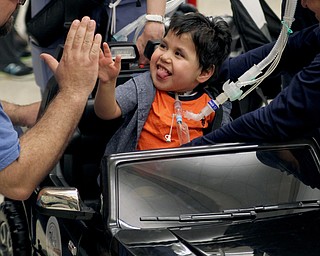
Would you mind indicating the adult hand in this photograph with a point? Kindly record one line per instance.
(42, 146)
(152, 31)
(77, 71)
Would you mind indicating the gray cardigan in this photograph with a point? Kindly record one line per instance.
(135, 98)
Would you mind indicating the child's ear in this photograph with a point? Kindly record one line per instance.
(206, 74)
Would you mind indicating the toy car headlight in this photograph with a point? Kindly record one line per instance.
(128, 52)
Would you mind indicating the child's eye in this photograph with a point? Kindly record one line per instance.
(162, 46)
(179, 54)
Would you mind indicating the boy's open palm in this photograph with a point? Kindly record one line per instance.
(109, 69)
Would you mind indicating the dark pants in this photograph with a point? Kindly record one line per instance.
(9, 50)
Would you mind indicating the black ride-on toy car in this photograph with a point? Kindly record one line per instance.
(228, 199)
(224, 199)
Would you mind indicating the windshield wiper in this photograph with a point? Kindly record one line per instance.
(236, 214)
(279, 207)
(204, 217)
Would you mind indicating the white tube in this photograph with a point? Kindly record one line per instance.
(182, 127)
(232, 90)
(283, 37)
(207, 110)
(171, 5)
(273, 58)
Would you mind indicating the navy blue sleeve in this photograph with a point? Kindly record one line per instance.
(299, 52)
(233, 68)
(293, 113)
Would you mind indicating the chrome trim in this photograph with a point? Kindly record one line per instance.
(57, 198)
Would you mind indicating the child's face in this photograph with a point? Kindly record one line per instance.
(174, 65)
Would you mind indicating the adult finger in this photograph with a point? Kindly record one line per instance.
(71, 34)
(95, 47)
(50, 61)
(80, 33)
(89, 35)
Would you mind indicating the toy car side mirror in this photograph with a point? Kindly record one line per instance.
(63, 202)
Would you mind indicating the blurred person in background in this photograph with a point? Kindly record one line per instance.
(12, 48)
(125, 11)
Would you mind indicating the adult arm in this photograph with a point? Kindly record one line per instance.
(152, 30)
(42, 145)
(288, 116)
(22, 115)
(302, 46)
(292, 113)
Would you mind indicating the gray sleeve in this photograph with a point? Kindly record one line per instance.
(137, 90)
(126, 96)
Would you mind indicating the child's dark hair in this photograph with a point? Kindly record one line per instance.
(211, 36)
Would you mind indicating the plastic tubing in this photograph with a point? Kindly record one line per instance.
(182, 127)
(274, 56)
(233, 90)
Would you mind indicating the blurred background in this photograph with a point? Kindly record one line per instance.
(23, 89)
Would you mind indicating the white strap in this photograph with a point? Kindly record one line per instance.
(113, 6)
(154, 18)
(138, 24)
(167, 137)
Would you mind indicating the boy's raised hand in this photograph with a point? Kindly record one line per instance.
(109, 69)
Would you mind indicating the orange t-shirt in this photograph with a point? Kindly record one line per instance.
(161, 118)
